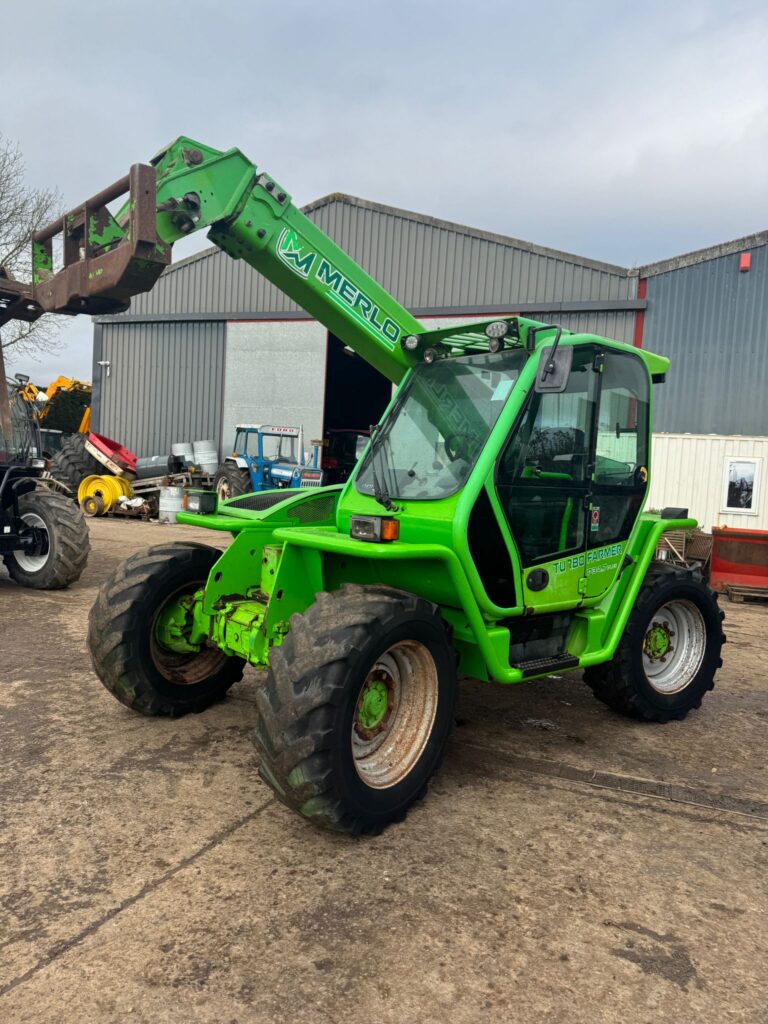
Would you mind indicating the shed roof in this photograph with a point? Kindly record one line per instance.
(438, 265)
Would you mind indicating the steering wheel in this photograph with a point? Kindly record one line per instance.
(457, 447)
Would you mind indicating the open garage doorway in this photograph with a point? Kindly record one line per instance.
(356, 396)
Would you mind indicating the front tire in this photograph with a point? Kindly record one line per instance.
(60, 557)
(231, 481)
(126, 654)
(670, 651)
(357, 707)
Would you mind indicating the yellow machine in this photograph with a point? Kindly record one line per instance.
(68, 408)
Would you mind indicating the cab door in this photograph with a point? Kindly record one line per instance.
(620, 467)
(544, 484)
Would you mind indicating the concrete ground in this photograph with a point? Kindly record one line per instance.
(567, 866)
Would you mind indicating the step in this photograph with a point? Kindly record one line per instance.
(537, 666)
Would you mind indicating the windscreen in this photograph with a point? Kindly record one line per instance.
(280, 447)
(22, 444)
(442, 417)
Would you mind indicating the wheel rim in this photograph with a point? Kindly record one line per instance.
(394, 714)
(182, 669)
(26, 561)
(674, 646)
(223, 489)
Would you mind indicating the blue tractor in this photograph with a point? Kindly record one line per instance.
(265, 458)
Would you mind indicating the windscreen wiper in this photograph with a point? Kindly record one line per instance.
(381, 492)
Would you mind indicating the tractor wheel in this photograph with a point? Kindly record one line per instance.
(669, 653)
(72, 463)
(93, 505)
(128, 656)
(357, 707)
(231, 481)
(62, 550)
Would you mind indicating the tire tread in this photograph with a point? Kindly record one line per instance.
(70, 543)
(613, 683)
(113, 634)
(297, 704)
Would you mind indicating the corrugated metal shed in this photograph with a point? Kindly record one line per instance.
(165, 383)
(429, 265)
(712, 322)
(701, 312)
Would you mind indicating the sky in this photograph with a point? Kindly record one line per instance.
(621, 131)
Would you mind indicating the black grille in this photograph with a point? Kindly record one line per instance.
(313, 511)
(259, 502)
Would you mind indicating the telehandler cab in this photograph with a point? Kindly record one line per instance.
(493, 527)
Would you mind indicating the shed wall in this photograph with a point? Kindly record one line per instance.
(687, 471)
(712, 322)
(275, 373)
(165, 383)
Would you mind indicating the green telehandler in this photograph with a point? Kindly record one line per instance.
(493, 527)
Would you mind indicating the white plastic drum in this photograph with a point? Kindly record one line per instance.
(171, 499)
(185, 450)
(206, 455)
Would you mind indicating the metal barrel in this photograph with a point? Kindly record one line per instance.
(171, 499)
(151, 465)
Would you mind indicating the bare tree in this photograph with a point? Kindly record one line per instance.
(22, 211)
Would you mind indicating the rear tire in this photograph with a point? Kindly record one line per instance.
(72, 463)
(357, 707)
(231, 481)
(127, 657)
(670, 651)
(66, 546)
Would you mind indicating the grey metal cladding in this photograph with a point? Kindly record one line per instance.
(165, 384)
(617, 325)
(712, 322)
(423, 262)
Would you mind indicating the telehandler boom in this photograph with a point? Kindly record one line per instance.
(494, 525)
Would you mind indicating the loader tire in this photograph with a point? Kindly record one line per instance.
(72, 463)
(357, 707)
(64, 542)
(231, 481)
(670, 651)
(126, 655)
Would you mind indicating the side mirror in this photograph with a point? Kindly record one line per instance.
(554, 370)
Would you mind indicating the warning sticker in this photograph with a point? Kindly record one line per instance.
(594, 525)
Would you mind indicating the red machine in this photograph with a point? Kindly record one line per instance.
(739, 560)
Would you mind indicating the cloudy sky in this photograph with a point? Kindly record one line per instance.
(627, 132)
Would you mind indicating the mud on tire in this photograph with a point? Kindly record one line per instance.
(670, 651)
(125, 653)
(323, 752)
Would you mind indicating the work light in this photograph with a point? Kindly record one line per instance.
(201, 502)
(496, 333)
(411, 342)
(374, 528)
(498, 329)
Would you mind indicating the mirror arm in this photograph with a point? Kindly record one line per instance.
(551, 364)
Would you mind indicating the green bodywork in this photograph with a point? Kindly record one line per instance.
(283, 555)
(278, 562)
